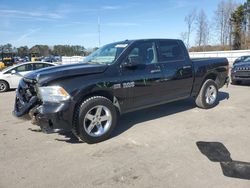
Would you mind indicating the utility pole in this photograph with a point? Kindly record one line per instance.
(230, 33)
(99, 32)
(248, 22)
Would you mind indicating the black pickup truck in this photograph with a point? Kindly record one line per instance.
(87, 98)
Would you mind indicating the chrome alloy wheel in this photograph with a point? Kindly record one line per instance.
(97, 121)
(2, 86)
(211, 95)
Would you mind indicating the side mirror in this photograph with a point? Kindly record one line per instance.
(131, 62)
(13, 72)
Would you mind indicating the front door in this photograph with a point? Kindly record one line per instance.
(143, 79)
(21, 71)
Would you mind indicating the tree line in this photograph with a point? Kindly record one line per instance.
(45, 50)
(229, 29)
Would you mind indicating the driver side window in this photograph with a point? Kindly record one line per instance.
(143, 53)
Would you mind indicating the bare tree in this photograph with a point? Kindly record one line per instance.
(222, 20)
(189, 20)
(202, 29)
(183, 36)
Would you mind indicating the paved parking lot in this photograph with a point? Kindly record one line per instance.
(173, 145)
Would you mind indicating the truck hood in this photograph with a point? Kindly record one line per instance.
(46, 75)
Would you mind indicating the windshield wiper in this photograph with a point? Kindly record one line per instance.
(94, 62)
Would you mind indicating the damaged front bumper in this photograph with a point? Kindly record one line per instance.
(49, 116)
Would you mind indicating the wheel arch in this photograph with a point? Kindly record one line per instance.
(211, 75)
(8, 84)
(103, 93)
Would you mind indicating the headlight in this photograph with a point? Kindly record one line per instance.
(53, 94)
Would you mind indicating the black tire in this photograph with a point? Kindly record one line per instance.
(201, 101)
(236, 82)
(81, 114)
(4, 86)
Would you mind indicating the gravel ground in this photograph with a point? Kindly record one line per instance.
(172, 145)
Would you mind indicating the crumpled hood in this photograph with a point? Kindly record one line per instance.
(46, 75)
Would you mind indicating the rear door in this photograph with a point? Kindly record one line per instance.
(177, 71)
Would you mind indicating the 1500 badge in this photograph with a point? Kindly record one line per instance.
(128, 84)
(124, 85)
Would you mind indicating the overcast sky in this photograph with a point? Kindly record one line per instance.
(76, 21)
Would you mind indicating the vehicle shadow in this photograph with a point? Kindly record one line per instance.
(217, 152)
(9, 91)
(69, 137)
(129, 120)
(243, 84)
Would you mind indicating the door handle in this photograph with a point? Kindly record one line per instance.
(155, 71)
(187, 67)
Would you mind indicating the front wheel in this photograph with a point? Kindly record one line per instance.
(208, 95)
(4, 86)
(95, 119)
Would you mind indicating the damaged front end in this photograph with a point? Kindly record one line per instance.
(26, 97)
(48, 115)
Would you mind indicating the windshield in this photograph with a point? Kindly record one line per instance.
(6, 69)
(246, 59)
(106, 54)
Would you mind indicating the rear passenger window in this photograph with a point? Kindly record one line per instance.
(170, 51)
(47, 65)
(38, 66)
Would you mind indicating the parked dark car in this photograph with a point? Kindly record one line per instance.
(242, 59)
(121, 77)
(240, 72)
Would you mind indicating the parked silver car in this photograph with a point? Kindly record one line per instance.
(10, 76)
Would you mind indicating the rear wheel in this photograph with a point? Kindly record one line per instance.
(208, 95)
(4, 86)
(95, 119)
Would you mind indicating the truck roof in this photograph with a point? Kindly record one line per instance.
(150, 39)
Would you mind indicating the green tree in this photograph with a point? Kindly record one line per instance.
(237, 20)
(40, 50)
(67, 50)
(23, 51)
(6, 48)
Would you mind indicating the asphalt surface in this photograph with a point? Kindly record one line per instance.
(173, 145)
